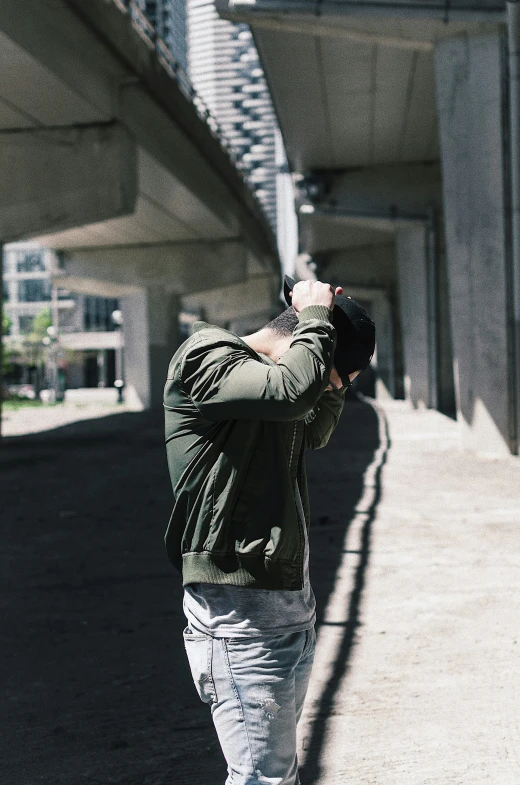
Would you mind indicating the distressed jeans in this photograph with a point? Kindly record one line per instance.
(255, 688)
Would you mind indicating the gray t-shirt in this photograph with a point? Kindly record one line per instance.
(243, 612)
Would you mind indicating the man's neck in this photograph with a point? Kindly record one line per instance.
(269, 343)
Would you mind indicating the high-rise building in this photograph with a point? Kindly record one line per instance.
(222, 64)
(225, 70)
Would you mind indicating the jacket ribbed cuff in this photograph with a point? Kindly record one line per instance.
(315, 312)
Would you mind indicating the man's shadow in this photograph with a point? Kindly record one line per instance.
(336, 485)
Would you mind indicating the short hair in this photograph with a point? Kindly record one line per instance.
(284, 324)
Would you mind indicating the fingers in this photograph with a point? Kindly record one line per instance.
(314, 293)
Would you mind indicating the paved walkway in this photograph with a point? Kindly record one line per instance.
(417, 675)
(416, 568)
(82, 404)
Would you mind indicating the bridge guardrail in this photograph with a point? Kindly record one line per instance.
(148, 33)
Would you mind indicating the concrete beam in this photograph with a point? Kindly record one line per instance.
(318, 26)
(178, 268)
(366, 206)
(384, 221)
(285, 11)
(149, 281)
(232, 303)
(394, 193)
(92, 65)
(199, 154)
(363, 266)
(57, 178)
(83, 284)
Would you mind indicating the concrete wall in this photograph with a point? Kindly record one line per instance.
(469, 72)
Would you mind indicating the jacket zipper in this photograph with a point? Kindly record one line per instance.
(300, 523)
(292, 447)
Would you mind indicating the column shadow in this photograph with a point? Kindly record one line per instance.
(336, 483)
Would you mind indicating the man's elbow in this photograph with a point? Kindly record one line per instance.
(318, 444)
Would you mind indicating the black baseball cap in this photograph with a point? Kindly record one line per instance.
(356, 333)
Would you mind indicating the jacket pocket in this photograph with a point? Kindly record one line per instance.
(199, 650)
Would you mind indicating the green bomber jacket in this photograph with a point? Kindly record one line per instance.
(236, 426)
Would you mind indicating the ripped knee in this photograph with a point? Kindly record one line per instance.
(270, 707)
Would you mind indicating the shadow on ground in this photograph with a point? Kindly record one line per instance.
(336, 482)
(96, 685)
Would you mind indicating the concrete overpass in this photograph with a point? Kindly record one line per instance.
(108, 156)
(401, 123)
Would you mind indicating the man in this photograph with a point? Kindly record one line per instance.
(239, 414)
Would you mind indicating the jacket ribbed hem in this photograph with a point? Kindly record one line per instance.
(255, 572)
(320, 312)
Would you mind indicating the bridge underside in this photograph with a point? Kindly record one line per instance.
(395, 117)
(105, 159)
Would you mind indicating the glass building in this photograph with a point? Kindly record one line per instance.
(224, 68)
(169, 20)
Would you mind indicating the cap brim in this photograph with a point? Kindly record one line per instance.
(288, 286)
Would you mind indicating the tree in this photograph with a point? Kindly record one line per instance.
(29, 350)
(42, 321)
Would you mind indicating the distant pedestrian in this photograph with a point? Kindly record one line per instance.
(239, 414)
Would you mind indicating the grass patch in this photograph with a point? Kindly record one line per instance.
(21, 403)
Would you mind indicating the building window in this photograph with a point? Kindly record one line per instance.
(97, 314)
(25, 324)
(34, 291)
(30, 262)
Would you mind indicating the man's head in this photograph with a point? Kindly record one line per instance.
(354, 327)
(283, 325)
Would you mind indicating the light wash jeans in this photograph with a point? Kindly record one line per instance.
(256, 688)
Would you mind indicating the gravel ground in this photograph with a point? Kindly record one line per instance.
(416, 570)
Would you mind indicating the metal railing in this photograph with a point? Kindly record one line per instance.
(173, 68)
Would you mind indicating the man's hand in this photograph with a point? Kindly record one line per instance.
(307, 293)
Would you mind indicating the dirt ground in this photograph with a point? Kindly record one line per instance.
(415, 565)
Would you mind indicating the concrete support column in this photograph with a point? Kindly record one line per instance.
(412, 271)
(102, 368)
(471, 98)
(513, 11)
(381, 312)
(150, 325)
